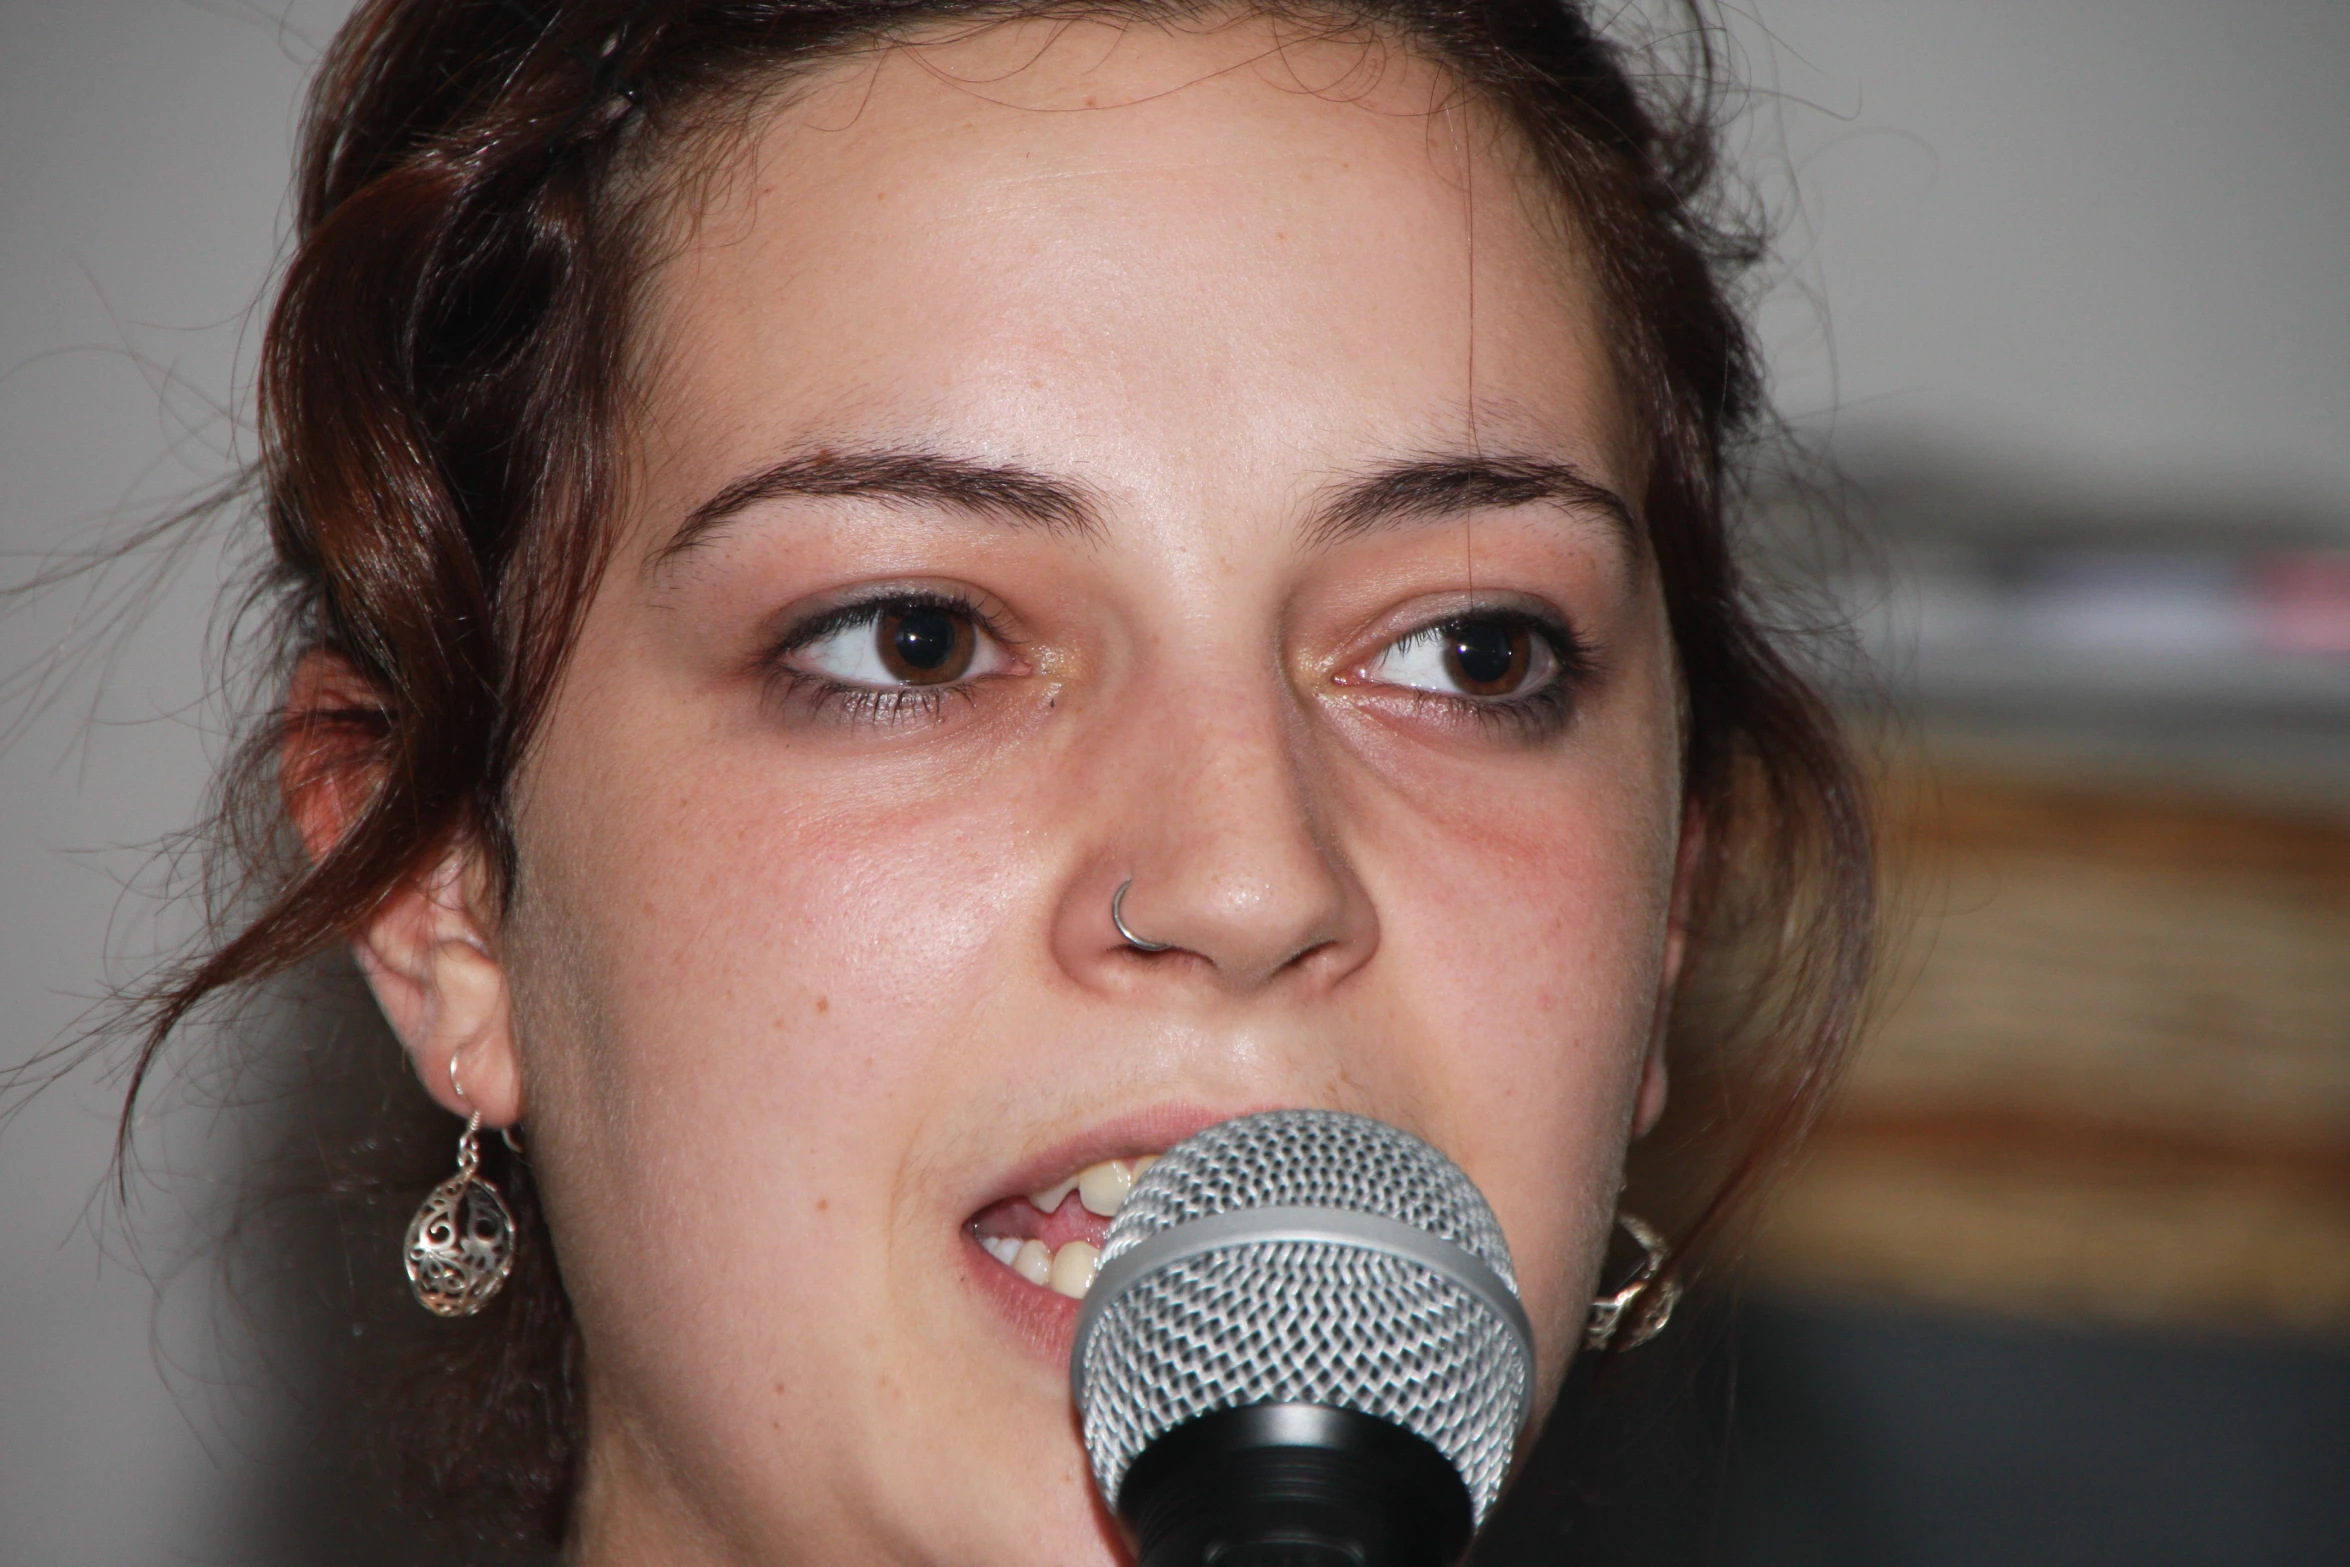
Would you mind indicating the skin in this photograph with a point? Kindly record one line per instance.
(796, 982)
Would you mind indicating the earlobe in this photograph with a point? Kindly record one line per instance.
(425, 952)
(1688, 863)
(1688, 870)
(1648, 1105)
(427, 960)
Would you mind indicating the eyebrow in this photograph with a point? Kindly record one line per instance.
(1000, 492)
(1424, 489)
(1428, 489)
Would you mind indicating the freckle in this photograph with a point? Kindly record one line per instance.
(823, 1005)
(779, 1390)
(823, 1205)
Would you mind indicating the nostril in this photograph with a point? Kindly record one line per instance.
(1245, 929)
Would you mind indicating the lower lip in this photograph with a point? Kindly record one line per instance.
(1042, 1320)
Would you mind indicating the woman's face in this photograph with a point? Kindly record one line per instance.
(1069, 457)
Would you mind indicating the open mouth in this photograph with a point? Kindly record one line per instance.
(1051, 1239)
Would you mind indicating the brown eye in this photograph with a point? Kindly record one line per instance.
(925, 644)
(1486, 657)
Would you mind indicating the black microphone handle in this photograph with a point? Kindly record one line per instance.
(1294, 1485)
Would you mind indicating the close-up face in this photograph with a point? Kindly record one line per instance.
(1064, 459)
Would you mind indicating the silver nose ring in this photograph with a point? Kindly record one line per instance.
(1118, 918)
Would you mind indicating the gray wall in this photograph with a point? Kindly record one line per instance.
(140, 207)
(2107, 238)
(2103, 239)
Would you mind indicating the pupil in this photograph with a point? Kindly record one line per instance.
(925, 638)
(925, 644)
(1485, 657)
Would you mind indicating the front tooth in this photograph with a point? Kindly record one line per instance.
(1003, 1248)
(1032, 1262)
(1073, 1268)
(1049, 1200)
(1103, 1187)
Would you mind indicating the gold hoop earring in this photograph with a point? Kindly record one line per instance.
(461, 1242)
(1609, 1311)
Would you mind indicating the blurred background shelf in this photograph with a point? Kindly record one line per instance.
(2064, 1278)
(2113, 1079)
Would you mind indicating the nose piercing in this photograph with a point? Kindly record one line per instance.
(1117, 901)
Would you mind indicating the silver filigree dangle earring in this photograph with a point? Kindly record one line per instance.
(461, 1242)
(1608, 1312)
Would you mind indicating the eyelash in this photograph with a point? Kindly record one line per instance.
(1536, 715)
(876, 705)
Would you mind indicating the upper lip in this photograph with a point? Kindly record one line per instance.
(1152, 1129)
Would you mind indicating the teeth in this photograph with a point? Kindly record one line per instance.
(1069, 1270)
(1050, 1199)
(1103, 1188)
(1073, 1268)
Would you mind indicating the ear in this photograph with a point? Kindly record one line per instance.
(427, 947)
(1688, 862)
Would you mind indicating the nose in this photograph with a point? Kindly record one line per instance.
(1219, 828)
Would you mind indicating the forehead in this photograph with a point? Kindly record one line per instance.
(1094, 246)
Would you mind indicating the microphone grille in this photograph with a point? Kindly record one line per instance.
(1289, 1320)
(1312, 1159)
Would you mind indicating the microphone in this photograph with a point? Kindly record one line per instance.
(1303, 1348)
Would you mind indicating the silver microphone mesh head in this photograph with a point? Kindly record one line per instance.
(1306, 1256)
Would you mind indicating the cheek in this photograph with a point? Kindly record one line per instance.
(1528, 924)
(736, 1011)
(748, 951)
(1546, 966)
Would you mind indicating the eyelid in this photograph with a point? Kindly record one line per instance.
(863, 610)
(817, 691)
(1528, 716)
(1565, 643)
